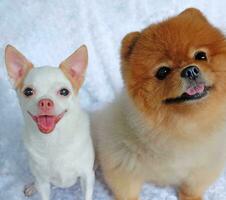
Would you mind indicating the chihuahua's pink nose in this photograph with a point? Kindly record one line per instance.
(45, 105)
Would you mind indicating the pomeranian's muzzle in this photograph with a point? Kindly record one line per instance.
(196, 87)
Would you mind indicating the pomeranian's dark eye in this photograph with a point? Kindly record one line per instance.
(64, 92)
(162, 72)
(28, 92)
(200, 55)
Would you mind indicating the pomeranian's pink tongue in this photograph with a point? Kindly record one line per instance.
(195, 90)
(46, 124)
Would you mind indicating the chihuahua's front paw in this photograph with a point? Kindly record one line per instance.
(30, 189)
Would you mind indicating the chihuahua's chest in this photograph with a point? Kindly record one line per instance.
(63, 172)
(60, 160)
(61, 168)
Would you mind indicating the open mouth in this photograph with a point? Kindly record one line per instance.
(47, 123)
(191, 94)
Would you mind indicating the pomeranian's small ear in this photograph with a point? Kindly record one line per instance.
(74, 67)
(192, 12)
(17, 66)
(128, 44)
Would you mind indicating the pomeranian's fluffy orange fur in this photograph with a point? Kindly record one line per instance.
(157, 130)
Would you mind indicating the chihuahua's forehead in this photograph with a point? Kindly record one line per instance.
(46, 76)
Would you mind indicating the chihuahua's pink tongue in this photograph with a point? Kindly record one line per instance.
(46, 124)
(195, 90)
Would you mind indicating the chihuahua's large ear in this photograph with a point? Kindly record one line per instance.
(17, 66)
(193, 13)
(128, 44)
(74, 67)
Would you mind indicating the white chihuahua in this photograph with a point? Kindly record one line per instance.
(56, 132)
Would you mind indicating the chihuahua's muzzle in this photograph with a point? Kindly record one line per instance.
(46, 120)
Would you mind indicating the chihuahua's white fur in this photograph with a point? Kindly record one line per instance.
(66, 153)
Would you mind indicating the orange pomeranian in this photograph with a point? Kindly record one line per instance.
(168, 126)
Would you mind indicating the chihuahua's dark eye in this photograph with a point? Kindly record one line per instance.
(28, 92)
(162, 72)
(64, 92)
(200, 55)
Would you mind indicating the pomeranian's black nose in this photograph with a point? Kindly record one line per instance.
(191, 72)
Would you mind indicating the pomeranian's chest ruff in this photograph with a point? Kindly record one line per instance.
(156, 156)
(167, 162)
